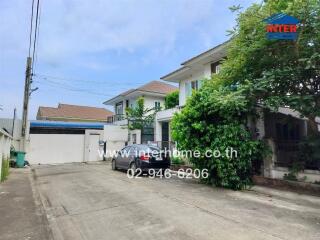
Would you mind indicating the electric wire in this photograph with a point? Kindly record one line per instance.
(31, 27)
(35, 60)
(35, 37)
(70, 88)
(76, 80)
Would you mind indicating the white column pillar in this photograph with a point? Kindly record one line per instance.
(158, 131)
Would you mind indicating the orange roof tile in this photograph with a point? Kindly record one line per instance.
(67, 111)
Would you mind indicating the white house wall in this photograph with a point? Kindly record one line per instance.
(201, 73)
(149, 102)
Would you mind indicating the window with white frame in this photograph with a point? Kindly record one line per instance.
(157, 105)
(119, 108)
(192, 85)
(215, 67)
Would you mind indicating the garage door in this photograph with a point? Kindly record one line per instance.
(55, 148)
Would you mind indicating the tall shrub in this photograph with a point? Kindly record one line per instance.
(214, 119)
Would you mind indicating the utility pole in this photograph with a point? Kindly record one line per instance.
(14, 121)
(26, 101)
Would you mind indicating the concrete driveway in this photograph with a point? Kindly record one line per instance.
(93, 202)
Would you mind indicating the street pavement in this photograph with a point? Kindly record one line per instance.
(21, 213)
(90, 201)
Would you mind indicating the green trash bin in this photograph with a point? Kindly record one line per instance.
(20, 159)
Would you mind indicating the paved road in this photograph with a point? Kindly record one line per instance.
(21, 214)
(93, 202)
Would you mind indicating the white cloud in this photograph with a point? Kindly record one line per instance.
(93, 26)
(78, 35)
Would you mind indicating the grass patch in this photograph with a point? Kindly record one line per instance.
(5, 168)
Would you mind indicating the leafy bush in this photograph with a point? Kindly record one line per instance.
(177, 161)
(5, 168)
(171, 100)
(214, 118)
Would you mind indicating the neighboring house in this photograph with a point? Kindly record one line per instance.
(73, 113)
(283, 130)
(190, 77)
(153, 93)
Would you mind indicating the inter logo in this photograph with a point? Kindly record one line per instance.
(281, 26)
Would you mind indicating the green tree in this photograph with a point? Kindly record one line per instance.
(281, 72)
(139, 116)
(171, 100)
(273, 72)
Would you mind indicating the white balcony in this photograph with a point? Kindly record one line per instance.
(118, 119)
(166, 115)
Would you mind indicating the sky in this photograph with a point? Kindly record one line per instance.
(90, 51)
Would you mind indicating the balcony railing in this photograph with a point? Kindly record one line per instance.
(115, 118)
(167, 114)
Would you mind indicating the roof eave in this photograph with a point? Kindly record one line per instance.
(204, 54)
(174, 76)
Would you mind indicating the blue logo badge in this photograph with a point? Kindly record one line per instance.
(281, 26)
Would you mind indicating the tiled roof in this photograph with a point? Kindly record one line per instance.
(158, 87)
(67, 111)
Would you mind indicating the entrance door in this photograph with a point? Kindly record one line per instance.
(94, 147)
(165, 135)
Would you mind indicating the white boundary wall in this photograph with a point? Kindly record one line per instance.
(62, 148)
(5, 144)
(115, 138)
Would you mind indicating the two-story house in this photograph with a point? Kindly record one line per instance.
(283, 130)
(154, 94)
(189, 77)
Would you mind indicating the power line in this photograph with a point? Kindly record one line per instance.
(44, 76)
(31, 24)
(70, 88)
(75, 80)
(35, 61)
(35, 36)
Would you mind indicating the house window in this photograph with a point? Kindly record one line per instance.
(127, 103)
(119, 108)
(157, 105)
(215, 67)
(193, 85)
